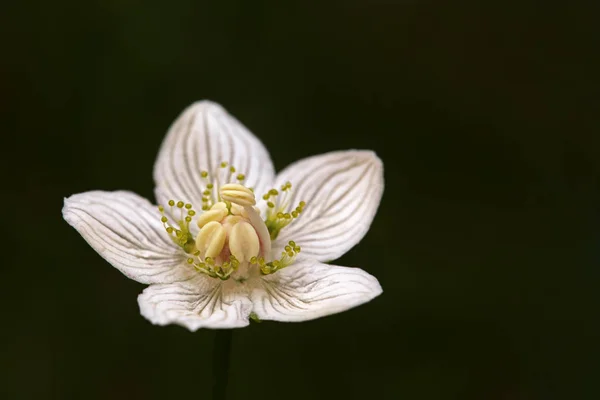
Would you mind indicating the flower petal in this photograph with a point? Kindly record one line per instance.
(202, 137)
(201, 302)
(342, 191)
(309, 290)
(125, 229)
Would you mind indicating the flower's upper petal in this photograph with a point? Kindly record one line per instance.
(308, 290)
(342, 191)
(202, 137)
(201, 302)
(125, 229)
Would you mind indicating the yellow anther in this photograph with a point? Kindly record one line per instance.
(191, 213)
(243, 241)
(188, 206)
(180, 204)
(295, 214)
(238, 194)
(204, 174)
(170, 230)
(302, 204)
(270, 204)
(241, 177)
(236, 209)
(266, 196)
(232, 169)
(223, 164)
(265, 269)
(292, 243)
(190, 260)
(164, 219)
(211, 216)
(161, 209)
(209, 186)
(211, 239)
(171, 203)
(219, 206)
(273, 192)
(253, 260)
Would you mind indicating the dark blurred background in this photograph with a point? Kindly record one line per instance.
(484, 113)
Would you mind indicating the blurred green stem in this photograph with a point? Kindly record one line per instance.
(221, 356)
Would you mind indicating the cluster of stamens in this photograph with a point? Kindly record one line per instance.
(232, 236)
(208, 266)
(226, 173)
(278, 216)
(288, 255)
(180, 231)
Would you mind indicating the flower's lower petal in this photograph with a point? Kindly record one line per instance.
(342, 191)
(309, 290)
(201, 302)
(125, 229)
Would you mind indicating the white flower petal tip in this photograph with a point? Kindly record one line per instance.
(342, 191)
(198, 303)
(308, 290)
(125, 230)
(206, 144)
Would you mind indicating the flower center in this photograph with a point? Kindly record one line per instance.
(233, 240)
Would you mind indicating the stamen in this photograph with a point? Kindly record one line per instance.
(243, 241)
(179, 231)
(238, 194)
(278, 215)
(211, 239)
(287, 258)
(214, 270)
(232, 233)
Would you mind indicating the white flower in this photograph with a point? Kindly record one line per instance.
(212, 255)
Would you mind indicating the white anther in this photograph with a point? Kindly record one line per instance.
(211, 215)
(243, 242)
(211, 239)
(237, 194)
